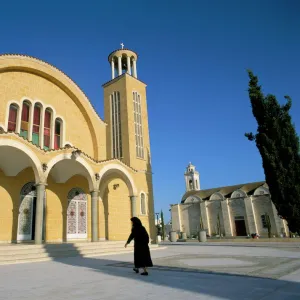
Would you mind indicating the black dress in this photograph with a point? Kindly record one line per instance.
(142, 257)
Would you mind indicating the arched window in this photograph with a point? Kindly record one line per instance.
(58, 134)
(25, 120)
(143, 204)
(36, 125)
(47, 130)
(12, 118)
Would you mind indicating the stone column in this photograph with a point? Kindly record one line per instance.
(250, 214)
(39, 214)
(134, 69)
(95, 223)
(226, 218)
(204, 216)
(112, 69)
(133, 206)
(128, 65)
(119, 65)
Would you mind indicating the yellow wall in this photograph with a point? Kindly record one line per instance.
(10, 188)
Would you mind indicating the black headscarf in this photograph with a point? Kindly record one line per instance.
(136, 222)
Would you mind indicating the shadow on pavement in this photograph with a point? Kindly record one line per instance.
(223, 285)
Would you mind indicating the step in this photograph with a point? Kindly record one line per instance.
(40, 253)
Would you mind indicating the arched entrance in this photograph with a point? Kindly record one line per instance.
(27, 209)
(77, 214)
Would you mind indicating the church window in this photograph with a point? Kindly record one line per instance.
(12, 118)
(47, 130)
(58, 134)
(139, 142)
(25, 120)
(117, 151)
(264, 221)
(36, 125)
(143, 204)
(261, 192)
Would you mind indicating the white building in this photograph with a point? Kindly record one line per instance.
(238, 210)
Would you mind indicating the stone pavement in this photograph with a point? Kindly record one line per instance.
(182, 271)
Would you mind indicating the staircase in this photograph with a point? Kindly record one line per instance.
(25, 253)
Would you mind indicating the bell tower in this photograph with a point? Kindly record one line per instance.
(125, 111)
(192, 178)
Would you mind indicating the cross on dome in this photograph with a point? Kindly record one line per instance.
(122, 45)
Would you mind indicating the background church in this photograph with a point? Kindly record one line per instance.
(230, 211)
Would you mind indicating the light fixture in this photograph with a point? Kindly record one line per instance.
(115, 186)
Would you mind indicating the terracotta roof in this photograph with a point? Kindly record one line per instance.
(28, 56)
(64, 148)
(226, 191)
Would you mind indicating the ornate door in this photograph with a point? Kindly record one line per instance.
(77, 214)
(27, 212)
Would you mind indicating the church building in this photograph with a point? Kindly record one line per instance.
(66, 174)
(229, 211)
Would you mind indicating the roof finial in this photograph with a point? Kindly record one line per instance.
(122, 45)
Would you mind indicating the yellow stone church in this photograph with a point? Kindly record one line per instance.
(65, 173)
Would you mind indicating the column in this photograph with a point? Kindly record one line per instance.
(112, 69)
(95, 225)
(128, 65)
(250, 215)
(134, 69)
(226, 218)
(39, 214)
(120, 65)
(133, 206)
(204, 216)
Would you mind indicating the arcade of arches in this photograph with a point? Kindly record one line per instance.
(64, 202)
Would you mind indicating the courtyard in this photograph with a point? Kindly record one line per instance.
(182, 271)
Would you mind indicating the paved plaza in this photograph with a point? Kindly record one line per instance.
(182, 271)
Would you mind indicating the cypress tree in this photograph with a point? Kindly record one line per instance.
(278, 144)
(162, 224)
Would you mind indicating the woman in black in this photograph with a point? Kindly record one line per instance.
(142, 257)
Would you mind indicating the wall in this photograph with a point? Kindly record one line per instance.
(10, 188)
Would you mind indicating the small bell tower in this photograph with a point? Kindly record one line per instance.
(192, 178)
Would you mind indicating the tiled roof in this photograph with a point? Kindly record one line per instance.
(64, 148)
(226, 191)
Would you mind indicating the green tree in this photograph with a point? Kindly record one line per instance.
(278, 144)
(162, 225)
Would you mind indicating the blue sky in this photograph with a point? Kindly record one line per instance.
(192, 54)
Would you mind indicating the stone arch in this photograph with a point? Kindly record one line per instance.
(193, 199)
(34, 161)
(239, 194)
(261, 191)
(26, 64)
(80, 167)
(110, 168)
(216, 196)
